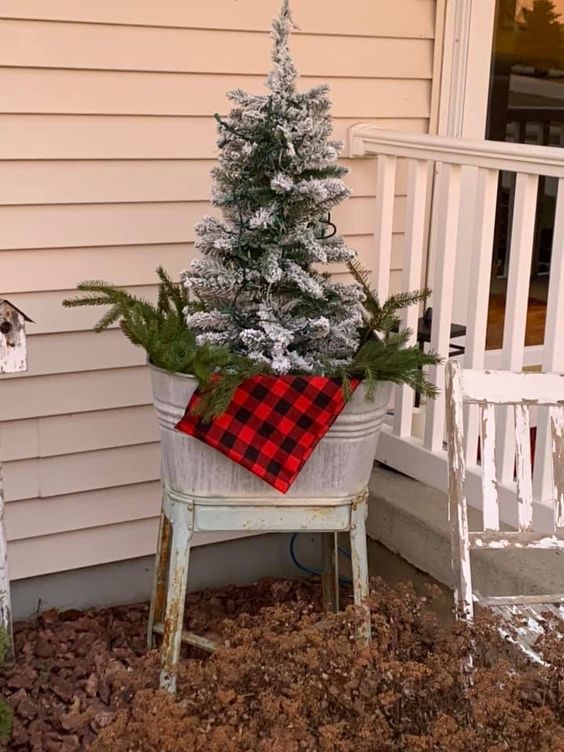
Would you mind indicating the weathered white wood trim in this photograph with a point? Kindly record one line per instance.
(505, 388)
(5, 602)
(527, 616)
(13, 359)
(553, 350)
(457, 500)
(509, 600)
(508, 539)
(557, 434)
(489, 476)
(523, 468)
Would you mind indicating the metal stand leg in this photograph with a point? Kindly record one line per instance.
(158, 598)
(359, 560)
(182, 516)
(330, 571)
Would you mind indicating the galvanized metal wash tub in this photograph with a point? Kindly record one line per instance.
(339, 466)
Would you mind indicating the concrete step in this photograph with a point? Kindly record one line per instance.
(410, 519)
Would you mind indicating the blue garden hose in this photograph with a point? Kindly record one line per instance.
(307, 570)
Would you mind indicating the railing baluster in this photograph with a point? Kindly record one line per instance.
(557, 431)
(489, 481)
(523, 467)
(481, 249)
(411, 277)
(443, 254)
(491, 159)
(553, 351)
(385, 197)
(516, 305)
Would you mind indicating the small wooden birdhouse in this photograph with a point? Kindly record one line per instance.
(13, 349)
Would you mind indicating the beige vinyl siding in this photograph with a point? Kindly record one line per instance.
(107, 137)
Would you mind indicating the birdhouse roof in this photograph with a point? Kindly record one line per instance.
(25, 316)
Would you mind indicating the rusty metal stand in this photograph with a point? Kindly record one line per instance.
(182, 516)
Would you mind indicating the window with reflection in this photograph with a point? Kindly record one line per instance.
(526, 105)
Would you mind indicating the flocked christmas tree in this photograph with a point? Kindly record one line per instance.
(257, 283)
(255, 300)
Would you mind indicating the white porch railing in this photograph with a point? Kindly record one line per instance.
(452, 250)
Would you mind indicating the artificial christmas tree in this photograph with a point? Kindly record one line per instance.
(277, 181)
(255, 303)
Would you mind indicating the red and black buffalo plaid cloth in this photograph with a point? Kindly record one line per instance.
(272, 425)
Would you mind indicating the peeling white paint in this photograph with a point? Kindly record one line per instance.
(13, 359)
(523, 467)
(13, 347)
(527, 616)
(516, 540)
(489, 480)
(557, 437)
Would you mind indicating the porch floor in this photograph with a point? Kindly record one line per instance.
(410, 519)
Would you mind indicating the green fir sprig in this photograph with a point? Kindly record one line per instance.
(383, 318)
(385, 353)
(159, 329)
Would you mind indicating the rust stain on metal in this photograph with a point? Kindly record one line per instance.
(158, 600)
(329, 576)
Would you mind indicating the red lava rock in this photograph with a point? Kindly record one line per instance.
(25, 706)
(68, 744)
(91, 686)
(49, 617)
(45, 649)
(63, 689)
(22, 677)
(71, 614)
(76, 671)
(76, 721)
(19, 733)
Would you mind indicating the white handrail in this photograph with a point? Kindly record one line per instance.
(456, 244)
(365, 140)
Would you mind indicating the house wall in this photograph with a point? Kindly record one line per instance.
(106, 141)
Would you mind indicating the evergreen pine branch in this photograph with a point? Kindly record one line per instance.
(384, 317)
(219, 391)
(390, 360)
(161, 330)
(402, 300)
(361, 277)
(171, 293)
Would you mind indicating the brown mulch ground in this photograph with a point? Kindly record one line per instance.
(288, 679)
(75, 669)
